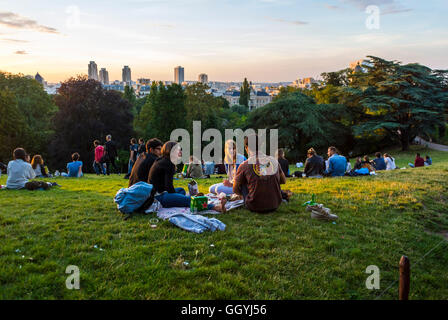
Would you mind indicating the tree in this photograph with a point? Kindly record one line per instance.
(12, 125)
(402, 100)
(35, 108)
(201, 106)
(163, 111)
(245, 93)
(129, 94)
(87, 112)
(303, 124)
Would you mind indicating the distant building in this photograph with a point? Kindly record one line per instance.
(116, 87)
(258, 98)
(179, 75)
(305, 83)
(360, 65)
(203, 78)
(93, 71)
(104, 76)
(39, 78)
(126, 75)
(144, 81)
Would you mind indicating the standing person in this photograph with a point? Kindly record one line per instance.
(161, 177)
(419, 161)
(314, 164)
(336, 164)
(140, 171)
(111, 154)
(133, 150)
(284, 164)
(258, 179)
(232, 161)
(38, 166)
(390, 162)
(141, 147)
(19, 170)
(97, 163)
(379, 162)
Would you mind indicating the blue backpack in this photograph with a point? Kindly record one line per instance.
(136, 198)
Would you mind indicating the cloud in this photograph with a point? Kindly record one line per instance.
(20, 52)
(387, 6)
(13, 20)
(294, 22)
(15, 40)
(332, 7)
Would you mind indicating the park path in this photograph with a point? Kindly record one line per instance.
(434, 146)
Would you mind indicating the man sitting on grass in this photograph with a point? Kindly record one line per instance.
(258, 180)
(140, 170)
(336, 164)
(379, 163)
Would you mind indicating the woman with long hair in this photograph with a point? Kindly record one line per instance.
(390, 162)
(161, 177)
(232, 161)
(38, 166)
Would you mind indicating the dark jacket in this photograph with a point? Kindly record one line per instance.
(284, 164)
(111, 149)
(161, 175)
(379, 164)
(141, 168)
(314, 166)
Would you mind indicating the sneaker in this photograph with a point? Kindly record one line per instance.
(324, 215)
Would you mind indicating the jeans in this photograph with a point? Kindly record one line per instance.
(220, 187)
(179, 199)
(130, 165)
(99, 168)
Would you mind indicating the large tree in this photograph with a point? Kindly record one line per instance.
(303, 124)
(88, 112)
(402, 100)
(163, 112)
(30, 109)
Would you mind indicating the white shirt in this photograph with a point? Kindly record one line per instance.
(19, 173)
(390, 163)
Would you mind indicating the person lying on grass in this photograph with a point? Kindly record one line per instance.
(232, 161)
(161, 177)
(258, 179)
(140, 170)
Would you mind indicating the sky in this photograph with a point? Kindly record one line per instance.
(263, 40)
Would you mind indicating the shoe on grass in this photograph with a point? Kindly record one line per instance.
(324, 215)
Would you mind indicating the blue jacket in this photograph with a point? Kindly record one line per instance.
(337, 165)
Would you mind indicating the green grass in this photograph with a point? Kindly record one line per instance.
(284, 255)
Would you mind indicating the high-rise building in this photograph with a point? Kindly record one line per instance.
(179, 75)
(126, 75)
(203, 78)
(104, 76)
(93, 71)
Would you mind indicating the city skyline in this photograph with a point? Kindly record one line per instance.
(263, 40)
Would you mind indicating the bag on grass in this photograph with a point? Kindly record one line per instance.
(136, 198)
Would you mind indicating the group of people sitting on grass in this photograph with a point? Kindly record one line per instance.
(256, 180)
(420, 162)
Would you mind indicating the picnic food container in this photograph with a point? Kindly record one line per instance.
(198, 204)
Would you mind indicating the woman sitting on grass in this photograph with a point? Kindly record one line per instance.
(74, 168)
(390, 162)
(232, 161)
(194, 169)
(38, 166)
(161, 177)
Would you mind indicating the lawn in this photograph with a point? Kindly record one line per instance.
(284, 255)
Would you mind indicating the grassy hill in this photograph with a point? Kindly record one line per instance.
(284, 255)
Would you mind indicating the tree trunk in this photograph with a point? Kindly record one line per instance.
(404, 139)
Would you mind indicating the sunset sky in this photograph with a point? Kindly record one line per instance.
(263, 40)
